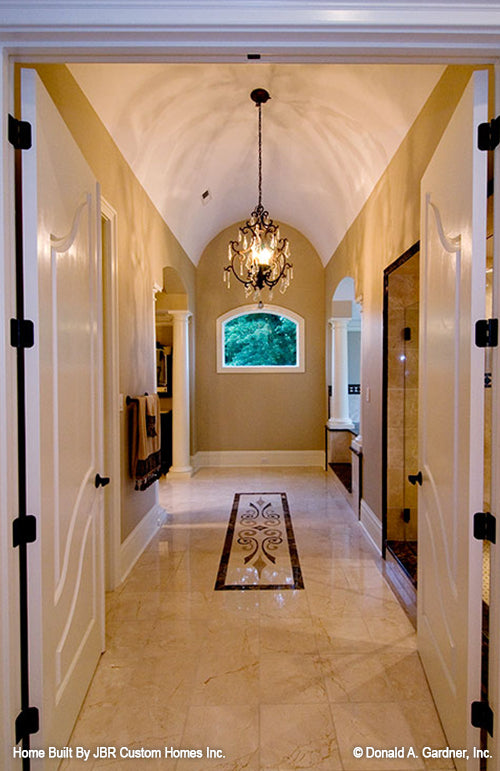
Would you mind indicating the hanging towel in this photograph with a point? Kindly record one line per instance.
(144, 440)
(152, 411)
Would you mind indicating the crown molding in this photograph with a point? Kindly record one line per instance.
(278, 30)
(446, 15)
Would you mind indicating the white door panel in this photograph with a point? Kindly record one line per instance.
(64, 389)
(453, 243)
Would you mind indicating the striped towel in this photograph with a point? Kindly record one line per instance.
(145, 440)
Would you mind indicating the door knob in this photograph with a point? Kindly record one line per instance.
(101, 481)
(415, 478)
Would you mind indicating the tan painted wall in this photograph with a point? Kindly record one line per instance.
(387, 226)
(260, 411)
(292, 407)
(145, 247)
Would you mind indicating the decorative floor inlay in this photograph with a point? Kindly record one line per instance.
(259, 551)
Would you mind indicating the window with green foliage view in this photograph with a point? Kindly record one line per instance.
(260, 340)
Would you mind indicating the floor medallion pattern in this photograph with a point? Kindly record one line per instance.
(259, 550)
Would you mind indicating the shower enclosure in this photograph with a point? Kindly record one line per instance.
(400, 445)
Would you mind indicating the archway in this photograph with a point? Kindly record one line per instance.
(173, 372)
(343, 445)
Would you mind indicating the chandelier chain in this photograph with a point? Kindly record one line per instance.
(260, 256)
(260, 155)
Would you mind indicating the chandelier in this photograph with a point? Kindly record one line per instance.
(260, 257)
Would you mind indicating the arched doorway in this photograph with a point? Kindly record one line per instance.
(344, 412)
(173, 372)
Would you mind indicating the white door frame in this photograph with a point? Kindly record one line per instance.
(112, 497)
(314, 33)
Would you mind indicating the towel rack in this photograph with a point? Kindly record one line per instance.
(131, 399)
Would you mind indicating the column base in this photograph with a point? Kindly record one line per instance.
(340, 424)
(357, 444)
(181, 472)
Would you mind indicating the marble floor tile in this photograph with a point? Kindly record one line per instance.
(298, 736)
(404, 671)
(290, 678)
(287, 635)
(343, 633)
(356, 677)
(421, 716)
(274, 680)
(231, 730)
(228, 675)
(380, 726)
(285, 604)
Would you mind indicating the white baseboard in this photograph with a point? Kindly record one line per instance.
(258, 458)
(371, 524)
(135, 543)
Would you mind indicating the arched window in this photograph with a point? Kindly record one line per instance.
(267, 339)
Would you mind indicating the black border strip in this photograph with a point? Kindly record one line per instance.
(23, 729)
(298, 581)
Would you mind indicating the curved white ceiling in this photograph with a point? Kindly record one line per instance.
(328, 133)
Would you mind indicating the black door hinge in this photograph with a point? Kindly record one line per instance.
(487, 333)
(24, 530)
(481, 716)
(27, 722)
(485, 526)
(19, 133)
(488, 380)
(22, 333)
(488, 135)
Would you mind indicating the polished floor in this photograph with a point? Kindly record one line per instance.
(275, 680)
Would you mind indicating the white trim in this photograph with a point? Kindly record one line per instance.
(135, 543)
(277, 310)
(112, 497)
(180, 473)
(349, 30)
(371, 524)
(353, 31)
(255, 458)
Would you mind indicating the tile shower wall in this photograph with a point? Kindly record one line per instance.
(402, 400)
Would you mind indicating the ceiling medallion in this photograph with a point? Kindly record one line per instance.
(260, 257)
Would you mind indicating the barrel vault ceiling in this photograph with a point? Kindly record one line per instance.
(189, 132)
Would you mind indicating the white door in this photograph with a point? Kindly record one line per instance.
(453, 243)
(64, 417)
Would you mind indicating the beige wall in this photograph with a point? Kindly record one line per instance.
(260, 411)
(291, 408)
(145, 247)
(387, 226)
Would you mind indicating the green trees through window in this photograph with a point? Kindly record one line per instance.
(260, 340)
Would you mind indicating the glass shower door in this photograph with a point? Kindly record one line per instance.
(402, 334)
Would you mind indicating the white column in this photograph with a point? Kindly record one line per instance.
(181, 457)
(339, 404)
(358, 441)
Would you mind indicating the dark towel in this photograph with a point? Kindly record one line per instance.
(144, 441)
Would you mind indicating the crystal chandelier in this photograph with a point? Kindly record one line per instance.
(260, 257)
